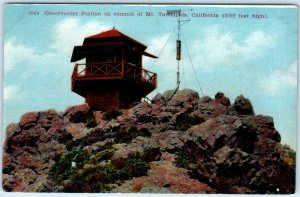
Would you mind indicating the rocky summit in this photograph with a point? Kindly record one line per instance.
(187, 145)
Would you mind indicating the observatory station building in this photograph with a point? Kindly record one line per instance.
(112, 76)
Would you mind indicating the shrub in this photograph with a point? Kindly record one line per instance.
(102, 177)
(63, 169)
(125, 135)
(135, 167)
(182, 159)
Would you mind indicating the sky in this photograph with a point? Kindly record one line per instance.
(255, 57)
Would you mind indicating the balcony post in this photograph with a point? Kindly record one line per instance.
(76, 70)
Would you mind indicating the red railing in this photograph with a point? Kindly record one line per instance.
(112, 70)
(98, 70)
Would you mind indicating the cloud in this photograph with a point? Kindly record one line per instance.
(22, 61)
(10, 92)
(15, 54)
(163, 47)
(256, 45)
(217, 47)
(281, 79)
(29, 61)
(256, 42)
(212, 48)
(70, 32)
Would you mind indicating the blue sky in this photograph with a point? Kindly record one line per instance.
(253, 57)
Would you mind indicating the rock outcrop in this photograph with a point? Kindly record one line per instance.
(187, 145)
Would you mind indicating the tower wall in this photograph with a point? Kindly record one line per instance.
(103, 100)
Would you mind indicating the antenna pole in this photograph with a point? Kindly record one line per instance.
(178, 50)
(178, 41)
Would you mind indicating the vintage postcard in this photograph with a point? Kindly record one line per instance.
(124, 98)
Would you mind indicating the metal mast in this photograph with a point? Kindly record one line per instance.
(176, 13)
(178, 41)
(178, 48)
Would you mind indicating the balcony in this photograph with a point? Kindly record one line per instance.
(113, 71)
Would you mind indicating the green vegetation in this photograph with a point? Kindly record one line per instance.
(63, 168)
(249, 123)
(292, 154)
(95, 179)
(182, 159)
(95, 172)
(135, 167)
(125, 135)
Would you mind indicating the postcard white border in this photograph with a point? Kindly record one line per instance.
(237, 3)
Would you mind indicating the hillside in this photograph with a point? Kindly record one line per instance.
(189, 145)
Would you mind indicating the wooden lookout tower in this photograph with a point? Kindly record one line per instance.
(112, 76)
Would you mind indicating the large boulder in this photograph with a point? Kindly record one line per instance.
(183, 96)
(81, 114)
(221, 98)
(243, 105)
